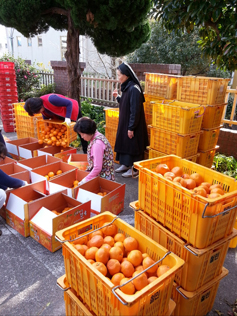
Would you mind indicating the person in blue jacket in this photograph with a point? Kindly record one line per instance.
(3, 142)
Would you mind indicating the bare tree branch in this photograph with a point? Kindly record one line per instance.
(103, 64)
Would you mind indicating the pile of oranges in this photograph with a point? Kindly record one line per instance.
(63, 211)
(193, 182)
(118, 258)
(51, 174)
(102, 193)
(53, 135)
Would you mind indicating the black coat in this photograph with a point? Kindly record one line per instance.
(131, 117)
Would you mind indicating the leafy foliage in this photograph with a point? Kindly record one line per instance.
(116, 27)
(217, 22)
(169, 48)
(50, 88)
(226, 165)
(27, 77)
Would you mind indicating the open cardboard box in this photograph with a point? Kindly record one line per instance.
(112, 202)
(78, 160)
(7, 160)
(12, 145)
(29, 150)
(44, 224)
(66, 182)
(36, 162)
(58, 152)
(38, 174)
(19, 208)
(12, 168)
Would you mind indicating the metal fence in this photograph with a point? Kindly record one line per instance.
(233, 117)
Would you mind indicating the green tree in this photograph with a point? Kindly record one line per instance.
(217, 20)
(169, 48)
(116, 27)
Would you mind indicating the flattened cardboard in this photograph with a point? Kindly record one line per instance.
(12, 145)
(78, 160)
(36, 162)
(113, 201)
(38, 174)
(29, 150)
(59, 152)
(20, 206)
(7, 160)
(45, 224)
(11, 168)
(66, 182)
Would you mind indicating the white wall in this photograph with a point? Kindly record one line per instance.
(3, 41)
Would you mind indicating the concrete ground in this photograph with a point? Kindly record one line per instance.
(28, 271)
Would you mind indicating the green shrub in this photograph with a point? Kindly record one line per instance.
(39, 92)
(27, 77)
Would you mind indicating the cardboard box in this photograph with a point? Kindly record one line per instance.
(66, 182)
(20, 206)
(45, 223)
(78, 160)
(58, 152)
(29, 150)
(7, 160)
(12, 168)
(36, 162)
(12, 145)
(112, 202)
(38, 174)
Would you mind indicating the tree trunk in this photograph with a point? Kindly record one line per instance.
(72, 58)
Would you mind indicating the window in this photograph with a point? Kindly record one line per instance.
(63, 45)
(18, 39)
(40, 42)
(29, 41)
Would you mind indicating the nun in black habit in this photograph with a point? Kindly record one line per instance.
(132, 137)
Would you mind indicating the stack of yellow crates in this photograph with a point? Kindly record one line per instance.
(175, 126)
(111, 122)
(210, 92)
(196, 228)
(89, 292)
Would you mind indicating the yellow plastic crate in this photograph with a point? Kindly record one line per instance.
(161, 85)
(112, 118)
(178, 117)
(154, 154)
(205, 158)
(213, 116)
(202, 90)
(26, 126)
(199, 221)
(110, 134)
(233, 242)
(201, 265)
(69, 135)
(199, 302)
(173, 143)
(74, 306)
(95, 290)
(209, 138)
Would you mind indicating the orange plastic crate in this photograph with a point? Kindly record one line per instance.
(209, 138)
(154, 154)
(95, 290)
(178, 117)
(174, 143)
(233, 242)
(161, 85)
(199, 302)
(199, 221)
(205, 158)
(110, 134)
(201, 265)
(202, 90)
(69, 135)
(213, 116)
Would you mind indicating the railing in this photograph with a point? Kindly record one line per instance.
(46, 77)
(99, 90)
(232, 120)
